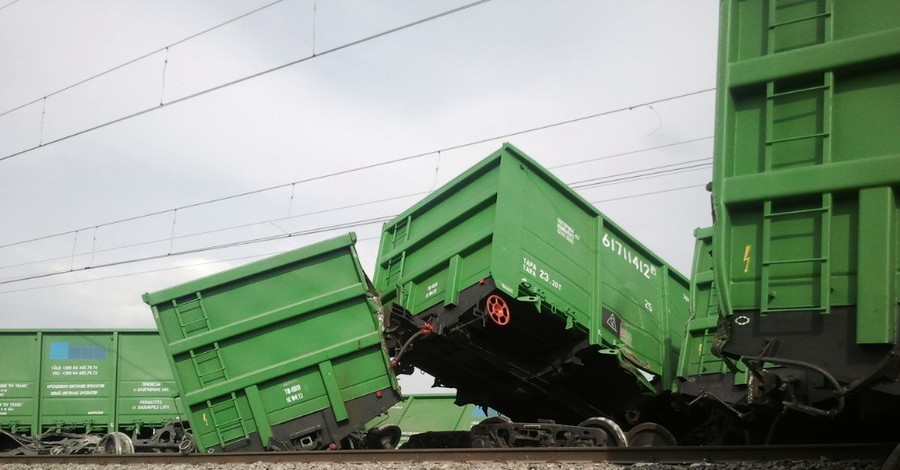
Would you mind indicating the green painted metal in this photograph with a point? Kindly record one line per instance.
(21, 383)
(146, 387)
(876, 310)
(807, 160)
(84, 381)
(699, 355)
(509, 219)
(429, 412)
(273, 341)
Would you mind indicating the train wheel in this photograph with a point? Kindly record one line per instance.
(484, 436)
(615, 435)
(115, 443)
(497, 310)
(187, 445)
(650, 435)
(383, 437)
(482, 442)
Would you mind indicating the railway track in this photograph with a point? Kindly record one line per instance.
(625, 455)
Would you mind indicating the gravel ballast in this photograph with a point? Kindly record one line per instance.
(776, 465)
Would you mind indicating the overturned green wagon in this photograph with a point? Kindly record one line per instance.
(284, 353)
(508, 286)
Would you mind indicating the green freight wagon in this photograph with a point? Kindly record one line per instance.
(702, 371)
(284, 353)
(508, 286)
(805, 246)
(68, 383)
(700, 353)
(431, 420)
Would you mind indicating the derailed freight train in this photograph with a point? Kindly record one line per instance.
(112, 392)
(794, 335)
(506, 285)
(285, 353)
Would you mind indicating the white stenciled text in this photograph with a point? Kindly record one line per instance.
(566, 231)
(617, 247)
(294, 393)
(532, 268)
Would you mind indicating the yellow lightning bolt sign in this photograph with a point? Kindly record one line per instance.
(747, 259)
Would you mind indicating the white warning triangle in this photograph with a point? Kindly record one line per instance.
(612, 323)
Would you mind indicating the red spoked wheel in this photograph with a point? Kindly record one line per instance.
(497, 310)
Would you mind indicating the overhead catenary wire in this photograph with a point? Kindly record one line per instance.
(653, 172)
(400, 160)
(152, 271)
(622, 177)
(219, 230)
(242, 80)
(651, 193)
(204, 249)
(642, 174)
(606, 180)
(263, 254)
(137, 59)
(13, 2)
(139, 273)
(630, 152)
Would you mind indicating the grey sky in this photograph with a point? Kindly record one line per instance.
(494, 69)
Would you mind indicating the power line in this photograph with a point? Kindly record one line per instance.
(209, 232)
(613, 179)
(662, 191)
(606, 180)
(13, 2)
(390, 162)
(661, 170)
(647, 173)
(243, 79)
(583, 118)
(631, 152)
(204, 249)
(632, 196)
(152, 271)
(137, 59)
(653, 175)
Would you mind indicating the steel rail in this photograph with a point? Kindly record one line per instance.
(623, 455)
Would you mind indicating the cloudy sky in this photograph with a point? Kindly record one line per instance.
(97, 209)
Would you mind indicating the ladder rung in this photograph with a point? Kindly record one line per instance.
(798, 211)
(216, 371)
(203, 320)
(794, 261)
(799, 20)
(233, 423)
(798, 91)
(795, 309)
(213, 352)
(799, 137)
(228, 427)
